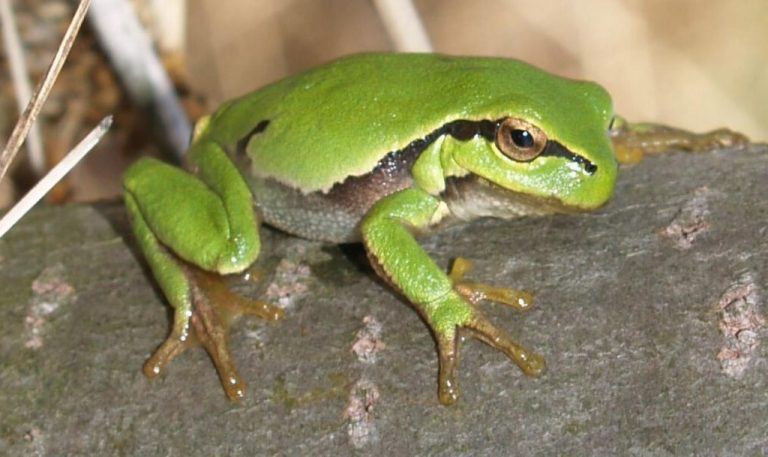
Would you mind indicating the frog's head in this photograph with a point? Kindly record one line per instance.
(550, 145)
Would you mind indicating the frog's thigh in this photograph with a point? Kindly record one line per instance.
(186, 217)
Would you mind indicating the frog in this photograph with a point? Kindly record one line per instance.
(380, 149)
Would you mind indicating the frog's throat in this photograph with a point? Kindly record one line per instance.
(471, 196)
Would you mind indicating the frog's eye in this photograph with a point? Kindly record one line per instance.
(520, 140)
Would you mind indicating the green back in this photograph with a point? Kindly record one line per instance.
(341, 118)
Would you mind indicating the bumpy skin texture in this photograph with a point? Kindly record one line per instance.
(380, 139)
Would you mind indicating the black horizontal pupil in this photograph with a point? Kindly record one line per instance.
(522, 138)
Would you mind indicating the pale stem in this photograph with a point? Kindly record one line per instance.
(404, 25)
(54, 176)
(21, 84)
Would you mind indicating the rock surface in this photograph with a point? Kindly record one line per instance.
(649, 313)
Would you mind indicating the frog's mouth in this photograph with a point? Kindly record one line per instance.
(472, 196)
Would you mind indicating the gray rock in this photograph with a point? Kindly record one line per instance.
(649, 313)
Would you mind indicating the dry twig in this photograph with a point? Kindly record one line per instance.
(54, 176)
(43, 90)
(21, 83)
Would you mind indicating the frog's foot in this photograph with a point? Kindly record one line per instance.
(213, 286)
(529, 362)
(469, 318)
(213, 309)
(475, 292)
(176, 343)
(632, 141)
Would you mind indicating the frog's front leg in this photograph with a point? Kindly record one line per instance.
(476, 292)
(189, 225)
(399, 259)
(631, 141)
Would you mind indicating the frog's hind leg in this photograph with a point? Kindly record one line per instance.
(184, 226)
(215, 306)
(172, 280)
(632, 141)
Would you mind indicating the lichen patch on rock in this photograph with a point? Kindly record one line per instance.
(289, 283)
(690, 222)
(49, 292)
(740, 323)
(368, 341)
(361, 427)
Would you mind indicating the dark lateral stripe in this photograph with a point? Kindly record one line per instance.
(461, 130)
(556, 149)
(464, 130)
(242, 144)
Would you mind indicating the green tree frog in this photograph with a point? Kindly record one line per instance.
(377, 148)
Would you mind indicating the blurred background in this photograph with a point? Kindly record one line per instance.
(697, 64)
